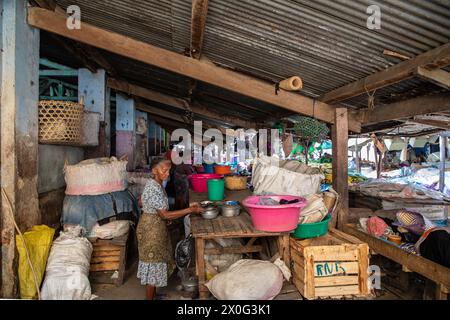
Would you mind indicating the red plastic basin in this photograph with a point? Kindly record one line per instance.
(277, 218)
(199, 181)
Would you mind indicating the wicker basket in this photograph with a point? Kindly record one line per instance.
(236, 182)
(60, 122)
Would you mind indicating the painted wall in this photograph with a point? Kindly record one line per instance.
(51, 165)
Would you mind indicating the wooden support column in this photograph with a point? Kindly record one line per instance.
(443, 156)
(19, 133)
(125, 128)
(340, 163)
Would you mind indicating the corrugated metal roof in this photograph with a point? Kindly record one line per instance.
(326, 42)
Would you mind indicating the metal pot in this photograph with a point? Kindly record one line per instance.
(231, 209)
(210, 212)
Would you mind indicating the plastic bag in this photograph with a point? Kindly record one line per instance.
(38, 241)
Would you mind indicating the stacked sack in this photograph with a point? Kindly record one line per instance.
(97, 198)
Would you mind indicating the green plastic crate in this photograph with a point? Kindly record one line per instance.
(312, 230)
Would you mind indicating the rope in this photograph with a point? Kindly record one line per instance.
(11, 211)
(370, 97)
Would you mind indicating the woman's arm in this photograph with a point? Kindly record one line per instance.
(172, 215)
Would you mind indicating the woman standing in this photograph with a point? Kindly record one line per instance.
(156, 262)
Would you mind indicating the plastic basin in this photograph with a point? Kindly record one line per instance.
(199, 181)
(312, 230)
(277, 218)
(215, 189)
(209, 168)
(222, 169)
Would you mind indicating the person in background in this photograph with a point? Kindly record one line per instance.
(181, 182)
(156, 262)
(169, 152)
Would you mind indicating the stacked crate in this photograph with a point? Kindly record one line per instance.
(108, 260)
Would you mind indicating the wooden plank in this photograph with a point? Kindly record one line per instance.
(333, 253)
(300, 285)
(198, 21)
(435, 58)
(101, 247)
(309, 275)
(197, 69)
(344, 236)
(243, 249)
(106, 266)
(435, 123)
(425, 267)
(337, 291)
(363, 260)
(436, 76)
(408, 108)
(335, 281)
(107, 253)
(340, 163)
(95, 260)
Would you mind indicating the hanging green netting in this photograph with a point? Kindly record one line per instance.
(310, 129)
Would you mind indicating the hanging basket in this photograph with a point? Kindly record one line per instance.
(60, 122)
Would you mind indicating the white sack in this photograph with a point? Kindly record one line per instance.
(66, 276)
(284, 177)
(248, 280)
(224, 261)
(314, 211)
(110, 230)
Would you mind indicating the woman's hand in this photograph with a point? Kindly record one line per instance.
(195, 208)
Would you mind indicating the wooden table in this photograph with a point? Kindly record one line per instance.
(223, 227)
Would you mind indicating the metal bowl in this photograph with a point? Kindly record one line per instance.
(190, 285)
(230, 209)
(210, 212)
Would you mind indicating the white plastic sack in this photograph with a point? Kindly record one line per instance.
(249, 280)
(271, 176)
(110, 230)
(314, 211)
(224, 261)
(66, 276)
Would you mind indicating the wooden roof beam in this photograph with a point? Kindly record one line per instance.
(198, 22)
(436, 76)
(175, 102)
(196, 69)
(407, 108)
(445, 125)
(433, 59)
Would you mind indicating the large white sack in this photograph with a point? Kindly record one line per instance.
(249, 280)
(110, 230)
(66, 276)
(271, 176)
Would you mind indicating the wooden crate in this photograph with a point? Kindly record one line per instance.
(108, 260)
(330, 266)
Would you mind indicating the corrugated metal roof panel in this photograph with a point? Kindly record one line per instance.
(326, 42)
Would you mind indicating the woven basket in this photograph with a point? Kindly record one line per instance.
(60, 122)
(236, 182)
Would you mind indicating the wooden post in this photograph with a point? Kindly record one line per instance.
(19, 88)
(442, 155)
(358, 164)
(340, 162)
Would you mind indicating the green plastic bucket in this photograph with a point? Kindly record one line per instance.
(312, 230)
(216, 189)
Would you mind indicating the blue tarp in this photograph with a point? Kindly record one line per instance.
(87, 210)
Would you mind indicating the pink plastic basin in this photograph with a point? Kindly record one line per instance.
(198, 180)
(278, 218)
